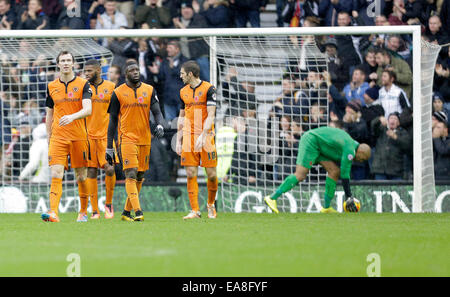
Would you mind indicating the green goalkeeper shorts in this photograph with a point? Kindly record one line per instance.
(309, 152)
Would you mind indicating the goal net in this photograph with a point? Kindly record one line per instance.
(26, 67)
(272, 89)
(269, 80)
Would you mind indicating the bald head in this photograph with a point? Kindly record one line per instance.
(363, 153)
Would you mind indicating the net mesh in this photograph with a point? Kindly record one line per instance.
(26, 67)
(429, 56)
(272, 89)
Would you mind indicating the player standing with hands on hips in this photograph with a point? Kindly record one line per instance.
(131, 104)
(195, 138)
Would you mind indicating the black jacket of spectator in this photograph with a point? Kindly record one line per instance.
(197, 45)
(31, 24)
(413, 10)
(369, 113)
(250, 4)
(339, 102)
(122, 50)
(388, 156)
(11, 18)
(71, 22)
(170, 77)
(441, 151)
(445, 15)
(158, 17)
(217, 17)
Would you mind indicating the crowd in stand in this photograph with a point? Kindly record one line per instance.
(368, 84)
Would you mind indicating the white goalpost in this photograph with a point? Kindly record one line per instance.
(265, 49)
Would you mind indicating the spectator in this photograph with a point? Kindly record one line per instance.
(126, 7)
(248, 11)
(8, 18)
(243, 164)
(34, 18)
(445, 15)
(291, 102)
(298, 10)
(392, 142)
(442, 78)
(357, 87)
(115, 75)
(111, 18)
(401, 69)
(379, 40)
(217, 13)
(338, 72)
(396, 15)
(239, 95)
(21, 148)
(153, 15)
(194, 48)
(371, 111)
(71, 16)
(397, 47)
(123, 49)
(370, 67)
(438, 116)
(316, 117)
(438, 104)
(356, 127)
(412, 12)
(392, 98)
(347, 53)
(287, 143)
(441, 150)
(37, 166)
(362, 9)
(435, 34)
(329, 9)
(169, 75)
(96, 9)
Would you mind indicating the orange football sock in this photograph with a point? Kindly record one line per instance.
(55, 194)
(110, 183)
(192, 187)
(128, 206)
(83, 193)
(132, 193)
(92, 186)
(212, 190)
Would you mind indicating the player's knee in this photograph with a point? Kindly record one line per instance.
(334, 174)
(191, 174)
(109, 170)
(131, 173)
(57, 171)
(92, 172)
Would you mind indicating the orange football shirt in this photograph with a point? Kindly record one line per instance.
(194, 101)
(65, 99)
(97, 122)
(133, 108)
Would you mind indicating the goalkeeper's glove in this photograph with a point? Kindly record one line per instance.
(110, 156)
(159, 131)
(350, 205)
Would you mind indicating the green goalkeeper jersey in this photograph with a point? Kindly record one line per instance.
(328, 143)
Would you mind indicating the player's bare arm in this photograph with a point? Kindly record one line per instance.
(85, 111)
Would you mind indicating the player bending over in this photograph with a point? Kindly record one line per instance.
(133, 101)
(325, 146)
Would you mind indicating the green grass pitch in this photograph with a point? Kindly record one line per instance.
(232, 245)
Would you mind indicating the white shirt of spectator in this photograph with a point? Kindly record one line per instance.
(38, 157)
(390, 100)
